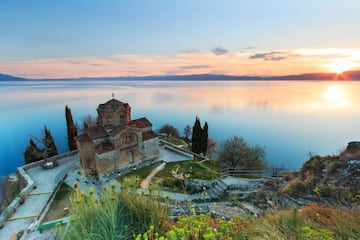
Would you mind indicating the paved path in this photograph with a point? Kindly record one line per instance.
(45, 181)
(145, 183)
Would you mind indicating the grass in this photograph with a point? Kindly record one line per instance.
(61, 201)
(200, 170)
(116, 215)
(10, 190)
(142, 173)
(176, 141)
(196, 170)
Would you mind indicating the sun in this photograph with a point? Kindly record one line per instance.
(340, 66)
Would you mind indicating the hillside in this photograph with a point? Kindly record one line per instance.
(6, 77)
(349, 75)
(333, 179)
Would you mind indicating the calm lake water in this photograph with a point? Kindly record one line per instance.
(289, 118)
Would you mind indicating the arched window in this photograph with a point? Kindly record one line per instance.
(128, 139)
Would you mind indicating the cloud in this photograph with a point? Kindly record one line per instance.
(219, 51)
(195, 66)
(271, 56)
(194, 62)
(190, 51)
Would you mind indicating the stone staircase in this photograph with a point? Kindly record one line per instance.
(213, 193)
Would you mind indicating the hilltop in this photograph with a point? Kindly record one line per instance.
(332, 179)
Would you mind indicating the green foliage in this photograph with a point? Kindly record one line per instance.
(71, 129)
(334, 166)
(115, 215)
(50, 147)
(236, 152)
(141, 173)
(32, 153)
(295, 187)
(9, 188)
(176, 141)
(199, 170)
(199, 137)
(310, 222)
(169, 130)
(314, 166)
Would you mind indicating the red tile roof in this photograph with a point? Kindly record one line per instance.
(96, 132)
(148, 135)
(104, 147)
(140, 123)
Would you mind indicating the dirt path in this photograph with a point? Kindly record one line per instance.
(145, 183)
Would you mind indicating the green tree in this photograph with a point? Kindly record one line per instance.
(236, 152)
(196, 136)
(32, 153)
(199, 138)
(169, 130)
(71, 129)
(49, 143)
(204, 138)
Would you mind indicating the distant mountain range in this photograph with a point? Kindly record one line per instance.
(349, 75)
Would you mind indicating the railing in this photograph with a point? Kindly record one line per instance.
(254, 172)
(180, 150)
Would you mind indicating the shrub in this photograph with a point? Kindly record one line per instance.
(295, 187)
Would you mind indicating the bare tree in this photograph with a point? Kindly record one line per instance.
(211, 147)
(187, 131)
(89, 121)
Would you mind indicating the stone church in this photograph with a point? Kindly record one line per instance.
(117, 142)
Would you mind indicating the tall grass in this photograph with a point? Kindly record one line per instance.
(115, 214)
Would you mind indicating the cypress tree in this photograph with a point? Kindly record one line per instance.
(204, 138)
(32, 153)
(199, 137)
(71, 129)
(50, 147)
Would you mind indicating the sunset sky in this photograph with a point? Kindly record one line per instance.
(93, 38)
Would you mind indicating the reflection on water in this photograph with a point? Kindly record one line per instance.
(289, 118)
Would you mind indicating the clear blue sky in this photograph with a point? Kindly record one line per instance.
(93, 29)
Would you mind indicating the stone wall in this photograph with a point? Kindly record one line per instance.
(151, 146)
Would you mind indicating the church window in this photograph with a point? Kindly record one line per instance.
(128, 139)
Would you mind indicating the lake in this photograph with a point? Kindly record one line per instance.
(289, 118)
